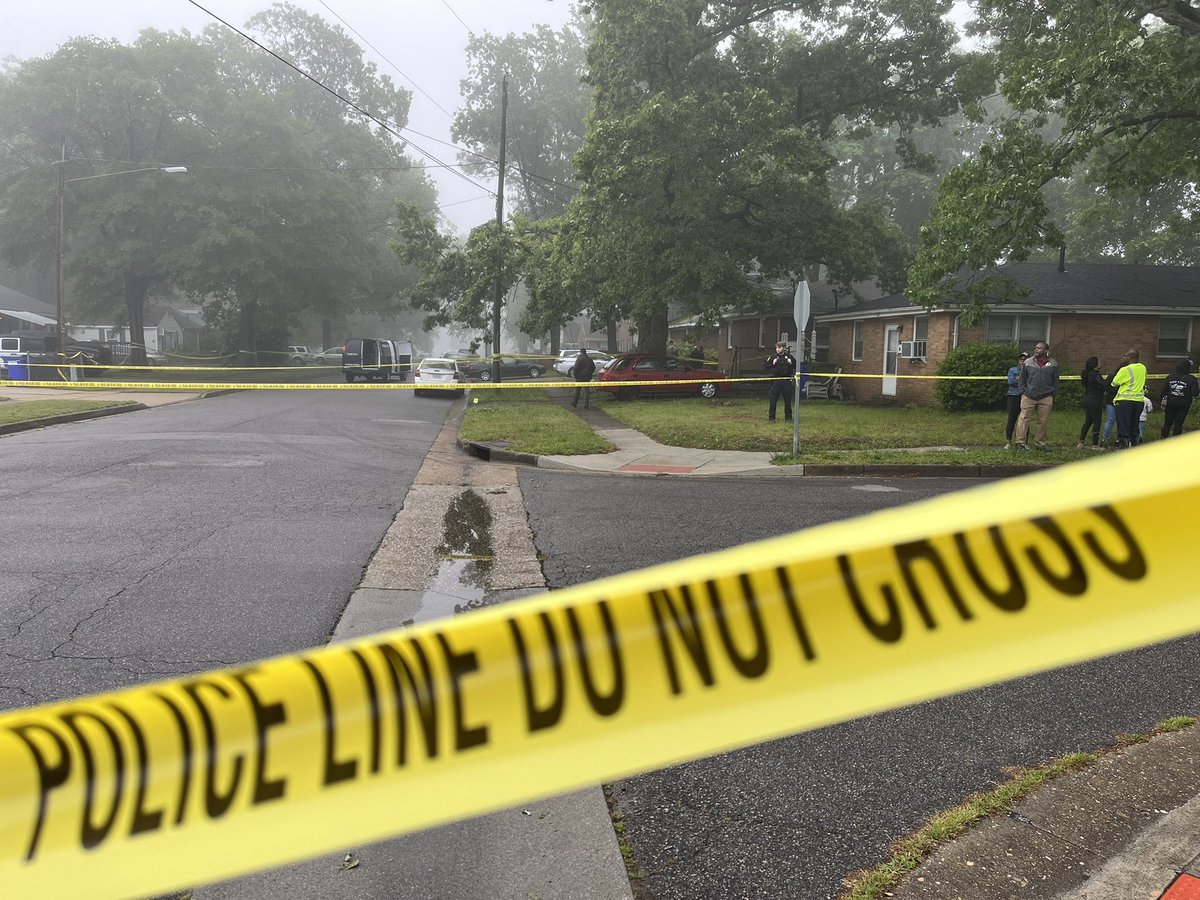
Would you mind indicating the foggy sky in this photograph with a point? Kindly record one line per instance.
(423, 39)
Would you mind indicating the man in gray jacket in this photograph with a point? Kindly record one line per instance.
(1038, 380)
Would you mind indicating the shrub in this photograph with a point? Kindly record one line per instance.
(986, 358)
(982, 358)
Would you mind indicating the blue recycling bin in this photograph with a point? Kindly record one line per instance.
(17, 366)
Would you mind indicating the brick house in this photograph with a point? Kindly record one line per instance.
(1080, 310)
(744, 338)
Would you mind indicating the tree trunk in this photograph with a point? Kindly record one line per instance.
(555, 339)
(249, 336)
(326, 333)
(135, 308)
(652, 331)
(612, 336)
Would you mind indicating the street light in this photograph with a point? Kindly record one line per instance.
(62, 228)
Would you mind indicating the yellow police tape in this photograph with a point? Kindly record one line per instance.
(189, 781)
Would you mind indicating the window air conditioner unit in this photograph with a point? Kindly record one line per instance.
(906, 349)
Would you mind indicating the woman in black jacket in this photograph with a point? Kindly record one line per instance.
(1094, 387)
(1176, 398)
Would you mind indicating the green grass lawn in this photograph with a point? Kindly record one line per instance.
(830, 432)
(847, 432)
(41, 409)
(529, 422)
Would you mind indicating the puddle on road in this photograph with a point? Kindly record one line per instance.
(467, 557)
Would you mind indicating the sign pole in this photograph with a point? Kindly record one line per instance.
(800, 309)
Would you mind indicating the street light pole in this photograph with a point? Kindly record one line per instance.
(63, 181)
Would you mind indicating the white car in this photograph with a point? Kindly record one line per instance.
(565, 364)
(438, 370)
(331, 356)
(299, 355)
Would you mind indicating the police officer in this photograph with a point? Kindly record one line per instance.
(781, 366)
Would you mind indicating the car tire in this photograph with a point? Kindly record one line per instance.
(485, 375)
(349, 378)
(320, 360)
(708, 390)
(296, 361)
(571, 372)
(535, 371)
(628, 393)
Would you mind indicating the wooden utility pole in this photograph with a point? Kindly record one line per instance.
(499, 299)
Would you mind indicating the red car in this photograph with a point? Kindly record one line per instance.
(626, 376)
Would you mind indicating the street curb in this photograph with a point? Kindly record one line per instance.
(30, 424)
(1085, 833)
(495, 451)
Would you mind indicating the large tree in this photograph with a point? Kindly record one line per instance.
(547, 103)
(284, 209)
(708, 157)
(108, 108)
(1108, 87)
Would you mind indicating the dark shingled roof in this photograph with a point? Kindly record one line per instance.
(1082, 285)
(10, 299)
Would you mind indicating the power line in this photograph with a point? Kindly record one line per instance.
(357, 34)
(457, 16)
(385, 126)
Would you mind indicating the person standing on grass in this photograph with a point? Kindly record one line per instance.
(1130, 382)
(584, 368)
(1038, 379)
(781, 366)
(1094, 387)
(1110, 412)
(1013, 398)
(1176, 398)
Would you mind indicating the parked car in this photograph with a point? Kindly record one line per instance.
(330, 356)
(510, 367)
(625, 375)
(565, 364)
(438, 370)
(299, 355)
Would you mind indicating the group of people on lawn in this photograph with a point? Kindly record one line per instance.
(1120, 399)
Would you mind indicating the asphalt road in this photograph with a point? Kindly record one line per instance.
(197, 535)
(792, 818)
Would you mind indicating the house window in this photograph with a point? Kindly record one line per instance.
(1024, 330)
(729, 335)
(1174, 336)
(920, 337)
(820, 346)
(762, 330)
(856, 351)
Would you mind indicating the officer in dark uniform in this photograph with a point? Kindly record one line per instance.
(781, 366)
(585, 368)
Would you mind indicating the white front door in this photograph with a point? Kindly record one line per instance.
(891, 359)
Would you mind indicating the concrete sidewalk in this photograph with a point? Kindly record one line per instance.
(136, 400)
(638, 454)
(1125, 826)
(17, 393)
